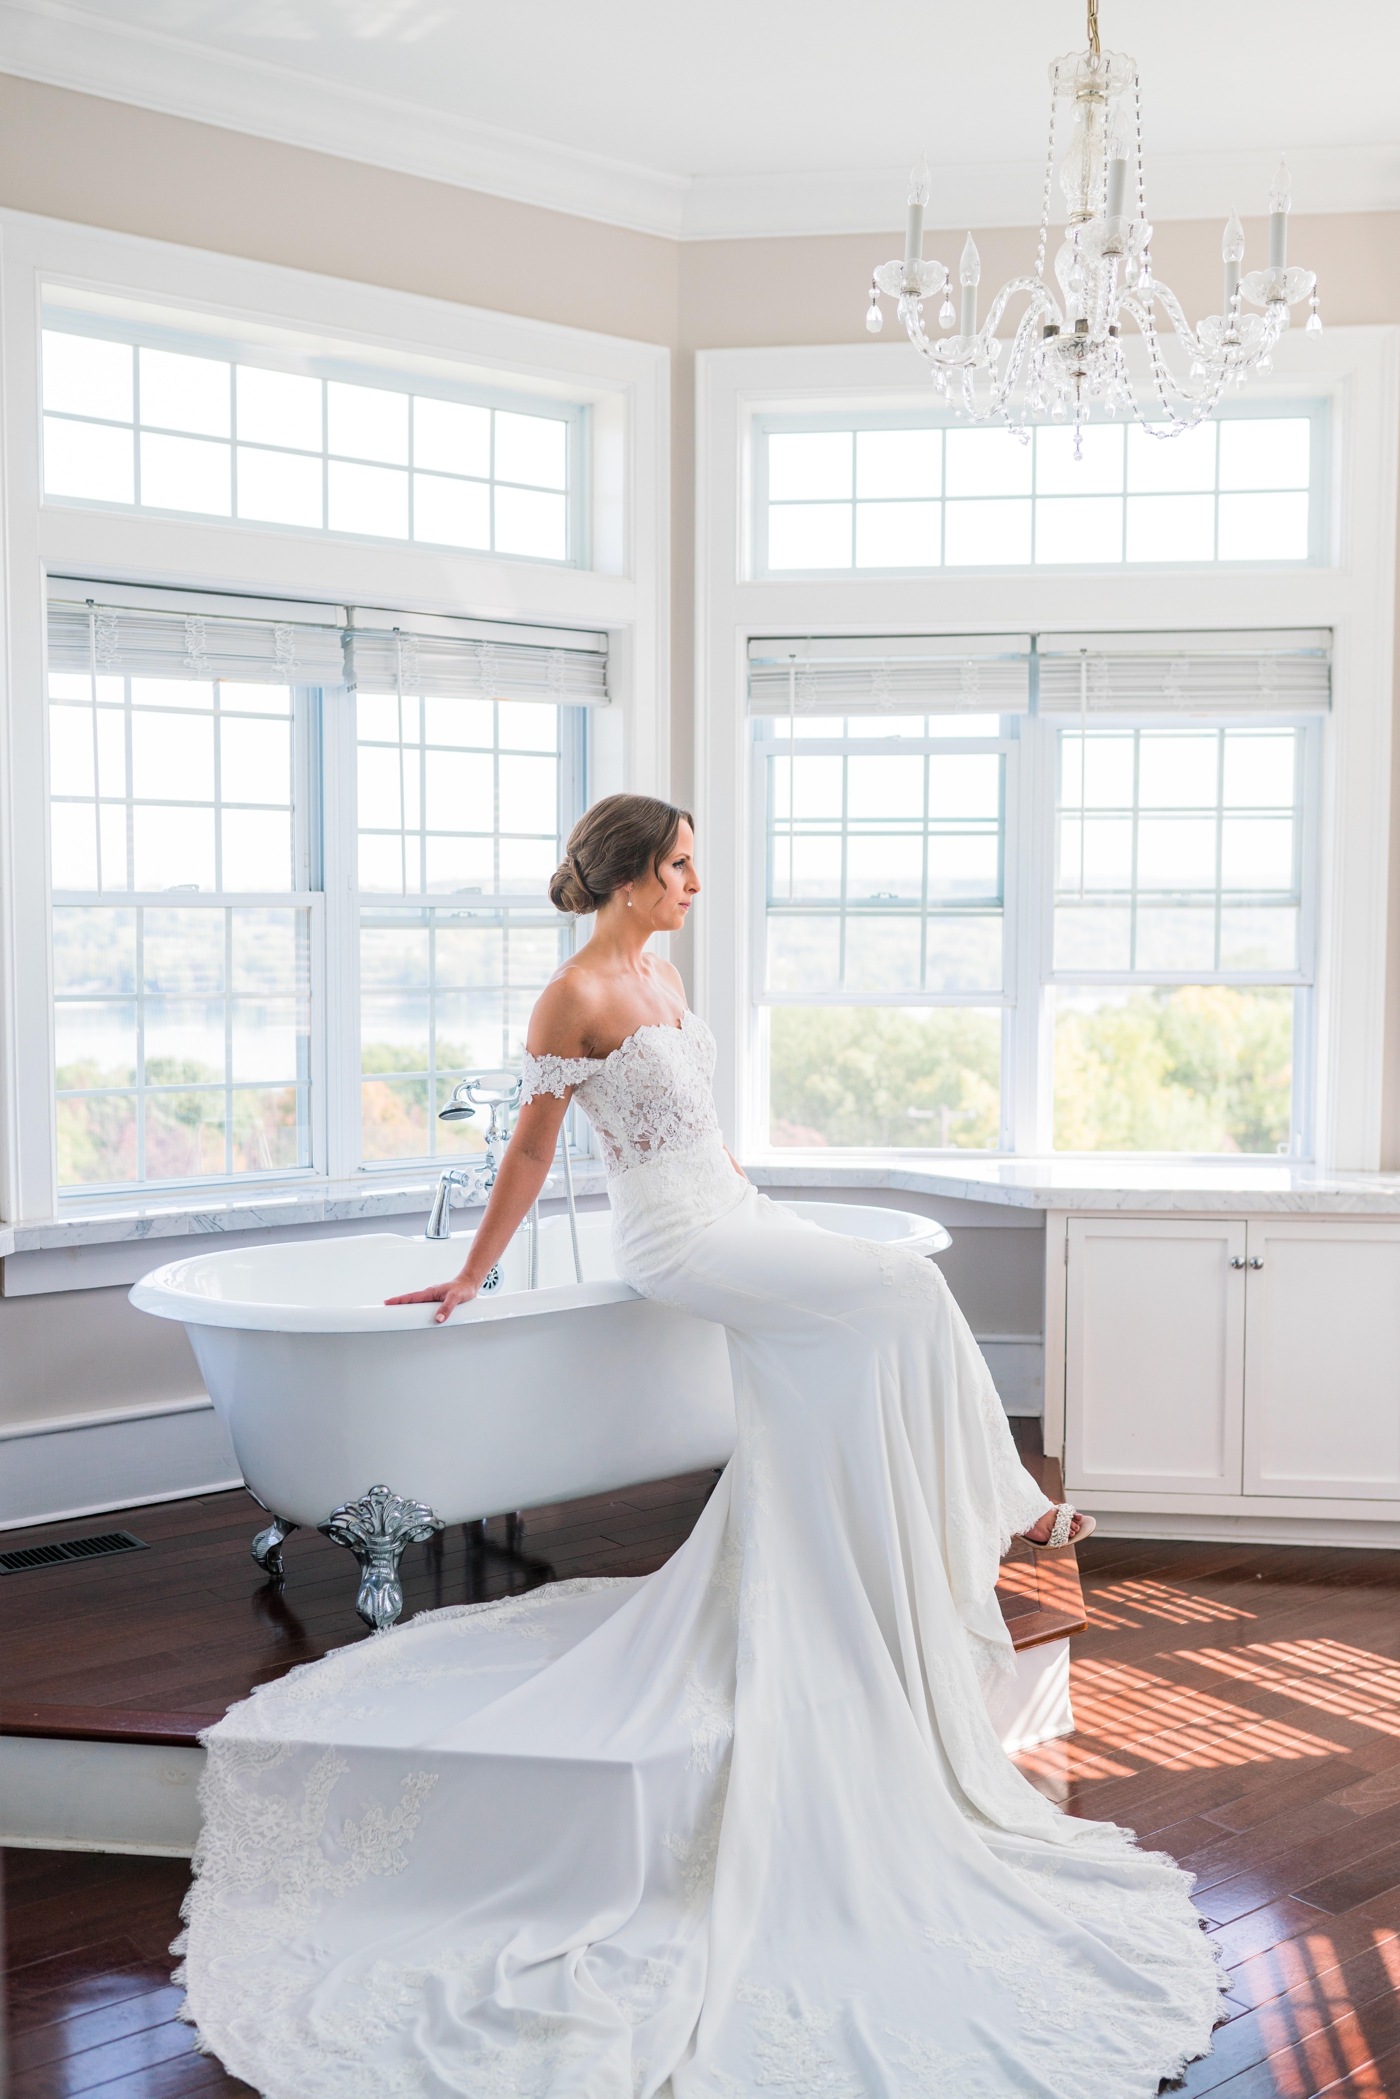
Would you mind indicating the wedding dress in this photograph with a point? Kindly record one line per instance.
(742, 1827)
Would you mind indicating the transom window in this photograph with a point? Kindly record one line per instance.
(867, 494)
(144, 426)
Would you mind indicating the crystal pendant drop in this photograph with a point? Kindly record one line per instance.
(874, 319)
(946, 313)
(1314, 326)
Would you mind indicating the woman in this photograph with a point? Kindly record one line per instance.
(741, 1827)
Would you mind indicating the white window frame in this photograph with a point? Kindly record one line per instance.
(626, 389)
(1350, 590)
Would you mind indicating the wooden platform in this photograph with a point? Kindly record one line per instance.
(153, 1646)
(1239, 1706)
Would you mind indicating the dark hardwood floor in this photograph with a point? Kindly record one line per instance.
(1239, 1706)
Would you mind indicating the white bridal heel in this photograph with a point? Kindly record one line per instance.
(1059, 1539)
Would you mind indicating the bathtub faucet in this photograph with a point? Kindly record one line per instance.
(478, 1180)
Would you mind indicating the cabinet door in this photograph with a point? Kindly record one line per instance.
(1154, 1354)
(1322, 1352)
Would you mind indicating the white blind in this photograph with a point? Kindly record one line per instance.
(472, 659)
(890, 674)
(1283, 672)
(155, 640)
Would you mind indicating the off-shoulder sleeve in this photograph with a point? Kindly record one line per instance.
(553, 1074)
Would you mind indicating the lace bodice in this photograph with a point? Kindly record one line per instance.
(651, 1095)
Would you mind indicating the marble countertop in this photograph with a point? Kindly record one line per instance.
(1262, 1185)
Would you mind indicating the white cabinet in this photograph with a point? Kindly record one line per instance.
(1322, 1358)
(1154, 1336)
(1214, 1361)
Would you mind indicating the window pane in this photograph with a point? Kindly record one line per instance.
(809, 466)
(367, 422)
(524, 725)
(184, 1041)
(897, 535)
(809, 535)
(279, 408)
(1088, 529)
(1093, 937)
(185, 1135)
(1097, 472)
(255, 760)
(986, 535)
(172, 756)
(451, 513)
(278, 488)
(183, 951)
(86, 377)
(461, 793)
(368, 499)
(1178, 772)
(1261, 768)
(1265, 452)
(1179, 460)
(270, 1131)
(915, 1078)
(1264, 528)
(184, 473)
(174, 848)
(89, 460)
(451, 438)
(898, 462)
(1176, 939)
(73, 842)
(986, 463)
(1171, 528)
(270, 1037)
(528, 522)
(528, 794)
(96, 1140)
(533, 449)
(184, 393)
(257, 849)
(95, 1042)
(1258, 938)
(804, 954)
(94, 951)
(883, 954)
(1189, 1068)
(71, 767)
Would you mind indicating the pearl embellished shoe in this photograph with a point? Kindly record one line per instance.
(1060, 1539)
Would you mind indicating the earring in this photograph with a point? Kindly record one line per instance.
(629, 903)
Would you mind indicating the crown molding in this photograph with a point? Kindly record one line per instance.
(70, 47)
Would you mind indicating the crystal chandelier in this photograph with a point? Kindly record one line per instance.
(1067, 352)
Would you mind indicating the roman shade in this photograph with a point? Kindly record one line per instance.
(1285, 671)
(890, 674)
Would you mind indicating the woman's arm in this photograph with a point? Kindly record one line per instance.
(524, 1171)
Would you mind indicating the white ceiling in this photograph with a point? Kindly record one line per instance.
(753, 116)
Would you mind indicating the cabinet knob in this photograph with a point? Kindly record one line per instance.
(1237, 1260)
(1256, 1261)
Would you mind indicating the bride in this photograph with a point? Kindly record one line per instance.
(740, 1828)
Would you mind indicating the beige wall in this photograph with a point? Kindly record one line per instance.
(107, 164)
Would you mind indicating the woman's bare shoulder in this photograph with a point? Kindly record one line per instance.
(566, 1016)
(671, 977)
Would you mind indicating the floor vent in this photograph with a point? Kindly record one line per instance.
(94, 1548)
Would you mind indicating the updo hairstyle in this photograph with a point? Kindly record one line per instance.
(617, 841)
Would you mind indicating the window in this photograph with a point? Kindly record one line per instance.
(189, 816)
(182, 919)
(1172, 961)
(873, 493)
(147, 426)
(459, 797)
(882, 946)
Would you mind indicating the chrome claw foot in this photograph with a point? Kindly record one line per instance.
(376, 1528)
(266, 1548)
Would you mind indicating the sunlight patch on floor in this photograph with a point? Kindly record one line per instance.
(1155, 1600)
(1177, 1727)
(1329, 1675)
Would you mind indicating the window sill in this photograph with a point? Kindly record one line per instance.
(121, 1219)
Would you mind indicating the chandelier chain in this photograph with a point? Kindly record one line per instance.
(1094, 27)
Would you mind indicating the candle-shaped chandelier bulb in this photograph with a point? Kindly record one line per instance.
(969, 275)
(1280, 204)
(914, 227)
(1232, 250)
(1117, 167)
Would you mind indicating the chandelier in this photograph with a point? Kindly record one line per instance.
(1067, 353)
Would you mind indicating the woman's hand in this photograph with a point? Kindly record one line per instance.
(460, 1291)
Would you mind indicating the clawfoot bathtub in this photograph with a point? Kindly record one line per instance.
(378, 1427)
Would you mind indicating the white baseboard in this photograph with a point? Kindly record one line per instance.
(90, 1464)
(1017, 1364)
(99, 1796)
(1216, 1527)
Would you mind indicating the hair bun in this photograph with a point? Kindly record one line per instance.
(569, 892)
